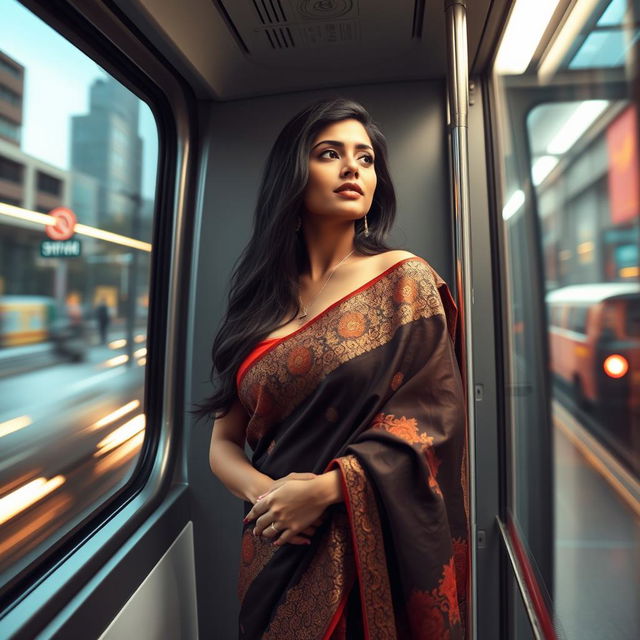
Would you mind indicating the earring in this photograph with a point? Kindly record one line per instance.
(299, 225)
(366, 227)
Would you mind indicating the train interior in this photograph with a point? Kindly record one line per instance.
(138, 538)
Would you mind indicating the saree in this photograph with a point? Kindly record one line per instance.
(370, 387)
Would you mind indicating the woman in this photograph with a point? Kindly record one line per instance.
(336, 364)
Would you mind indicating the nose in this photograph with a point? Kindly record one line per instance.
(350, 167)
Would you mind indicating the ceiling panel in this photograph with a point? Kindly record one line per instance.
(232, 49)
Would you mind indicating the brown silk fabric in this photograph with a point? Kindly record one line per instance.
(370, 387)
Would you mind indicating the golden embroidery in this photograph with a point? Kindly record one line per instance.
(404, 428)
(434, 614)
(406, 290)
(255, 554)
(407, 430)
(396, 381)
(357, 325)
(352, 324)
(300, 361)
(367, 532)
(309, 606)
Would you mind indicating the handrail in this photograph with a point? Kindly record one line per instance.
(458, 94)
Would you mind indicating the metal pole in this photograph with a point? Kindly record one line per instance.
(458, 98)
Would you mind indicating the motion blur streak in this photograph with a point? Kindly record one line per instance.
(121, 434)
(142, 362)
(117, 344)
(140, 352)
(140, 338)
(83, 229)
(15, 424)
(24, 497)
(34, 525)
(114, 362)
(114, 415)
(125, 451)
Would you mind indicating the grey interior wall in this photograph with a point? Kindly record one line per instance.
(237, 137)
(164, 605)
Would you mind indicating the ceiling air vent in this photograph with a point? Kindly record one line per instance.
(326, 34)
(280, 38)
(270, 11)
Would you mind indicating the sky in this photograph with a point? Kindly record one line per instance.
(57, 81)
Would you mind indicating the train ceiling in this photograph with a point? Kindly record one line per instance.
(233, 49)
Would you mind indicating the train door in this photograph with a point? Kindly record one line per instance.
(563, 109)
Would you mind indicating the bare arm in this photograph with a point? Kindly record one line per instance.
(228, 460)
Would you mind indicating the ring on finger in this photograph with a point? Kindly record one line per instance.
(273, 526)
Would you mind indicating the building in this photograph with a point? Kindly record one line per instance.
(11, 92)
(105, 144)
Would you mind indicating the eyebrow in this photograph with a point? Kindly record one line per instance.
(337, 143)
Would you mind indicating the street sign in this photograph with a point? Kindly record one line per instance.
(60, 248)
(65, 224)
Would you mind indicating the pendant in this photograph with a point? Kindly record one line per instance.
(302, 316)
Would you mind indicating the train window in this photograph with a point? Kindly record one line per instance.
(74, 282)
(565, 106)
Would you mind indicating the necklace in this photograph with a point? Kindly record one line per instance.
(305, 309)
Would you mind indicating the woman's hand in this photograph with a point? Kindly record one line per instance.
(295, 503)
(292, 476)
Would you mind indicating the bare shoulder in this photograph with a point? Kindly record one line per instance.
(389, 258)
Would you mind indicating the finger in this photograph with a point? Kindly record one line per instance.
(263, 522)
(309, 531)
(318, 521)
(302, 476)
(258, 509)
(286, 536)
(300, 540)
(270, 532)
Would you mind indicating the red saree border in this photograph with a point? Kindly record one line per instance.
(336, 618)
(278, 340)
(246, 363)
(375, 601)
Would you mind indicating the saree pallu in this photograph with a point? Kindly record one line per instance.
(370, 387)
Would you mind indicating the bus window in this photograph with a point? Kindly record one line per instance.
(78, 157)
(578, 319)
(566, 117)
(632, 318)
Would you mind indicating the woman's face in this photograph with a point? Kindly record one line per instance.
(342, 177)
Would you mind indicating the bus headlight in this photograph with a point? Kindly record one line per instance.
(616, 366)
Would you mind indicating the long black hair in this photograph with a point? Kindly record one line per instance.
(264, 284)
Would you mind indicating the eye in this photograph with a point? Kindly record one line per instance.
(367, 158)
(335, 153)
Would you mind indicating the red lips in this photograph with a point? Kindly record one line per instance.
(350, 186)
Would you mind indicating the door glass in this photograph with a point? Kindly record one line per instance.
(567, 119)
